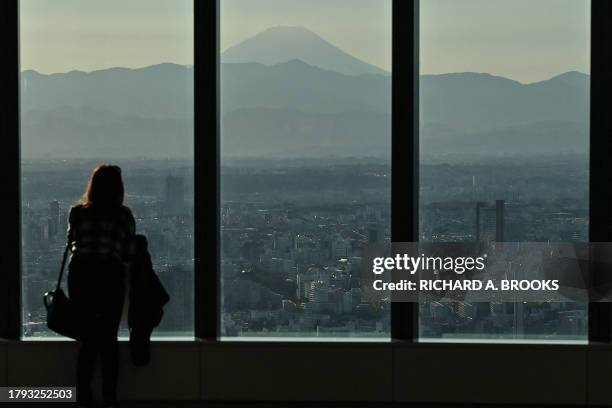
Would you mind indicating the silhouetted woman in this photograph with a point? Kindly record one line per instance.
(101, 233)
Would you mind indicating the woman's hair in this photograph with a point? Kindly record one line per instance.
(105, 187)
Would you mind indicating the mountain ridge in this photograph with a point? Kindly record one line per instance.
(284, 43)
(288, 91)
(297, 61)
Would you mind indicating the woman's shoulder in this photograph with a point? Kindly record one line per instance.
(76, 209)
(126, 212)
(80, 209)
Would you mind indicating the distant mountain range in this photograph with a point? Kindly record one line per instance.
(161, 91)
(282, 44)
(325, 104)
(477, 102)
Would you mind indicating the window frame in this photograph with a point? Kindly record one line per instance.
(405, 165)
(207, 164)
(600, 166)
(10, 166)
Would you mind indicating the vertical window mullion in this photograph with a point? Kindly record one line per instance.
(405, 149)
(207, 199)
(600, 199)
(206, 142)
(10, 283)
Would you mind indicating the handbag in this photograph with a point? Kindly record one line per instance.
(62, 316)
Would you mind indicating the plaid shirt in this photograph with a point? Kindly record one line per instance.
(102, 232)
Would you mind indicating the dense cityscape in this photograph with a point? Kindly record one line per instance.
(293, 235)
(305, 134)
(161, 198)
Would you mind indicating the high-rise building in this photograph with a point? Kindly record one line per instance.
(500, 209)
(490, 222)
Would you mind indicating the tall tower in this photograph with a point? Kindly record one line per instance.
(500, 209)
(479, 206)
(490, 222)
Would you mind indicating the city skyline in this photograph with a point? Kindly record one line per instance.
(305, 134)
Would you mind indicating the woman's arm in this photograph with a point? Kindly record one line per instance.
(70, 234)
(129, 248)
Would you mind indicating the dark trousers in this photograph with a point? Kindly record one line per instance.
(96, 288)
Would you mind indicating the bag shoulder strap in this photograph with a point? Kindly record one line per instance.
(61, 274)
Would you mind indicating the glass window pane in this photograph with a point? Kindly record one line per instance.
(504, 146)
(305, 94)
(107, 82)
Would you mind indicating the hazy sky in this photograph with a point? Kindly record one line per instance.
(62, 35)
(527, 40)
